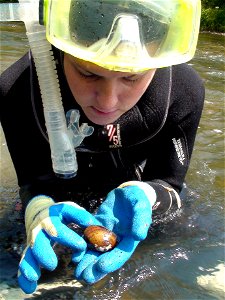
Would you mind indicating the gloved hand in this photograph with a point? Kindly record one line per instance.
(127, 211)
(45, 223)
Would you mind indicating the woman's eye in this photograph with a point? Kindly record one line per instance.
(131, 79)
(87, 75)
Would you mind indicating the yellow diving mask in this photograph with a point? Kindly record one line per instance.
(125, 36)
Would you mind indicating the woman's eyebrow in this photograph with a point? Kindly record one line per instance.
(136, 74)
(81, 69)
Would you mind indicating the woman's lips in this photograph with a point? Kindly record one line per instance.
(103, 112)
(102, 117)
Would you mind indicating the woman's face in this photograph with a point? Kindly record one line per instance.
(104, 95)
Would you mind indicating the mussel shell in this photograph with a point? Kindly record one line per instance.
(100, 238)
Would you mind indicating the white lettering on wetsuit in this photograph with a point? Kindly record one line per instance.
(179, 150)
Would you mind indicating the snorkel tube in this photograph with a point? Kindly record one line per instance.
(62, 140)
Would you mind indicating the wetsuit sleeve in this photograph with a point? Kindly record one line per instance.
(169, 158)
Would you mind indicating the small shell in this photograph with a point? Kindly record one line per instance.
(100, 238)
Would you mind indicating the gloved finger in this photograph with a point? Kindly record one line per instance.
(142, 220)
(43, 252)
(91, 275)
(89, 258)
(73, 213)
(29, 267)
(27, 286)
(106, 212)
(67, 237)
(107, 262)
(77, 256)
(109, 203)
(110, 261)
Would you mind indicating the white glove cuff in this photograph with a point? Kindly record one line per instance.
(148, 190)
(35, 206)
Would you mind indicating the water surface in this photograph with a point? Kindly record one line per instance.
(184, 261)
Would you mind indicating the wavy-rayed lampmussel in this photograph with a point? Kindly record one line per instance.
(100, 238)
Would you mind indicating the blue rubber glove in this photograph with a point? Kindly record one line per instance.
(45, 223)
(127, 211)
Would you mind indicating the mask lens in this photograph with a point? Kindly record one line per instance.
(102, 15)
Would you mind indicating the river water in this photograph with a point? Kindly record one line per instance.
(184, 261)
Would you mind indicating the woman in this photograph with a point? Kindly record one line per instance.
(124, 71)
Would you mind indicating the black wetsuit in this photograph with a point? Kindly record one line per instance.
(152, 142)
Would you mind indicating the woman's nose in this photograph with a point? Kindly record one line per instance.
(107, 95)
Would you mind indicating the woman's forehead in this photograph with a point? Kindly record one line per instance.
(100, 71)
